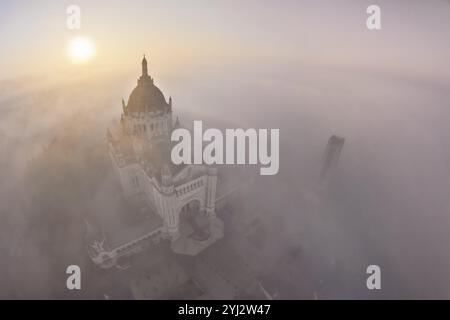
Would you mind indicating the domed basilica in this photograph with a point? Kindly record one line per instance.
(178, 201)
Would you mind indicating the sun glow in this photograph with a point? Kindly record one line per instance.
(81, 50)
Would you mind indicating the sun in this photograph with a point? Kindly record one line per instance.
(80, 50)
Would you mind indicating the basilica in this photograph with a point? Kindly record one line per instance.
(178, 201)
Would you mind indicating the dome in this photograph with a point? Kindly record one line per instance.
(146, 97)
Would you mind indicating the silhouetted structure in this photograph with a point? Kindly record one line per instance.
(331, 158)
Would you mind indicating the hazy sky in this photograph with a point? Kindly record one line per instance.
(193, 34)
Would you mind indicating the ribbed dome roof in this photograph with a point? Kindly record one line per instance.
(146, 97)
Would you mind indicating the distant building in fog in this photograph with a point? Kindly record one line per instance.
(179, 201)
(331, 158)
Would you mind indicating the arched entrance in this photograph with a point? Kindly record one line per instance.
(193, 223)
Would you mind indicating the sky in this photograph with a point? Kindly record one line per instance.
(180, 35)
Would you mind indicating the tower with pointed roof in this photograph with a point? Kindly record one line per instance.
(147, 114)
